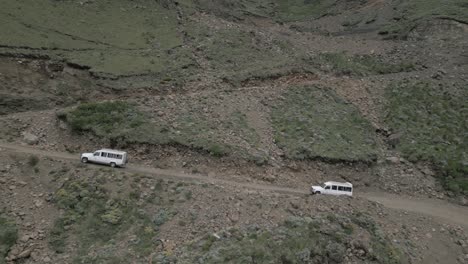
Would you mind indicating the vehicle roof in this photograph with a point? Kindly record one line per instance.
(339, 183)
(113, 151)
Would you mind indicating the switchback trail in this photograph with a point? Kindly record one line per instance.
(438, 209)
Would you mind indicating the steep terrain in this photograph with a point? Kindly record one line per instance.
(254, 92)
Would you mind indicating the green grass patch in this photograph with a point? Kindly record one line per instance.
(112, 38)
(110, 119)
(122, 123)
(314, 123)
(297, 10)
(236, 55)
(433, 123)
(8, 236)
(361, 65)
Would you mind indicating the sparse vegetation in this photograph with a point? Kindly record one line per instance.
(93, 218)
(8, 236)
(297, 240)
(314, 123)
(363, 65)
(122, 122)
(234, 54)
(432, 121)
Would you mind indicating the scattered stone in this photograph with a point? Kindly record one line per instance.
(11, 187)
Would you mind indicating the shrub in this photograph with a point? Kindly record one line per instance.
(33, 160)
(8, 236)
(105, 119)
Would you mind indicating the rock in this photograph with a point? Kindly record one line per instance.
(11, 187)
(30, 138)
(427, 171)
(38, 203)
(394, 139)
(25, 254)
(295, 204)
(24, 239)
(22, 183)
(463, 201)
(55, 66)
(394, 160)
(234, 217)
(46, 259)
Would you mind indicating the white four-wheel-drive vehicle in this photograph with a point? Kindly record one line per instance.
(334, 188)
(110, 157)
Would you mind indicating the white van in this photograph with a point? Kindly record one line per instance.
(334, 188)
(106, 156)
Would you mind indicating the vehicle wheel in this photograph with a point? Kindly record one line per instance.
(318, 193)
(112, 164)
(84, 160)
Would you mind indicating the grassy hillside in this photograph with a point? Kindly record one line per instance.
(314, 123)
(433, 124)
(411, 13)
(298, 240)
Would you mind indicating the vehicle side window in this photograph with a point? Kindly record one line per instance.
(119, 156)
(349, 189)
(96, 153)
(341, 188)
(327, 187)
(103, 154)
(110, 155)
(334, 187)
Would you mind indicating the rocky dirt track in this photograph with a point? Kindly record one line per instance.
(438, 209)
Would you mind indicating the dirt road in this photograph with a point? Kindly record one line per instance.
(439, 209)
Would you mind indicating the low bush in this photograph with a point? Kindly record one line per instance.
(8, 236)
(33, 160)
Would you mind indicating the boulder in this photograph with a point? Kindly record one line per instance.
(30, 138)
(394, 160)
(394, 139)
